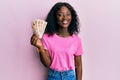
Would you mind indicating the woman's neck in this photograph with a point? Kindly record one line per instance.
(63, 32)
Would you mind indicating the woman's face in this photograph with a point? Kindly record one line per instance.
(64, 17)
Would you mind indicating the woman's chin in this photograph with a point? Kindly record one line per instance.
(65, 26)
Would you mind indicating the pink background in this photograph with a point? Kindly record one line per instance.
(100, 33)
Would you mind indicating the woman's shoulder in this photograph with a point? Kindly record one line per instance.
(76, 36)
(46, 35)
(77, 39)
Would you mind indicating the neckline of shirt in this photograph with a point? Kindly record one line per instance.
(63, 37)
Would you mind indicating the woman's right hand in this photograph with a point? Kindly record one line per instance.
(35, 41)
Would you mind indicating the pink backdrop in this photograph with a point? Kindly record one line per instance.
(100, 25)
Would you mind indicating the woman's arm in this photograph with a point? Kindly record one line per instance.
(44, 55)
(45, 58)
(78, 67)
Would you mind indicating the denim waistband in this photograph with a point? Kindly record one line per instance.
(61, 72)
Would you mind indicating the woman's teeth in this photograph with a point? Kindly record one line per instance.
(65, 22)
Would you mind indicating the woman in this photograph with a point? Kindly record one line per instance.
(60, 48)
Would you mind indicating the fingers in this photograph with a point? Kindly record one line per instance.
(34, 39)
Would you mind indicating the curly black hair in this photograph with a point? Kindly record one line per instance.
(52, 26)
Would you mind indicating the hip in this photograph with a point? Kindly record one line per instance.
(61, 75)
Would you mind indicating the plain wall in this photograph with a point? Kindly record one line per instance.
(100, 25)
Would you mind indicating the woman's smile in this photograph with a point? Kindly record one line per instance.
(64, 17)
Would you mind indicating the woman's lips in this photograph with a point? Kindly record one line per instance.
(65, 22)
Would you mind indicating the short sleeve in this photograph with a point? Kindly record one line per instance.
(79, 49)
(44, 43)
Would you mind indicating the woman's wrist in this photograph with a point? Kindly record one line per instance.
(40, 49)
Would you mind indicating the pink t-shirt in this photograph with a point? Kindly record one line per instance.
(62, 50)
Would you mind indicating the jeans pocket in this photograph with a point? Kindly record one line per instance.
(71, 76)
(71, 73)
(52, 76)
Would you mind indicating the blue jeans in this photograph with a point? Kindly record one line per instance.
(64, 75)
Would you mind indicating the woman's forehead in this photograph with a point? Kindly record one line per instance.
(63, 9)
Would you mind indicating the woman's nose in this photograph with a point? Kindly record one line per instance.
(64, 17)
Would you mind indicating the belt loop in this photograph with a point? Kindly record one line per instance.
(67, 72)
(54, 72)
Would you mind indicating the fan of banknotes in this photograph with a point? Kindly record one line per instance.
(38, 27)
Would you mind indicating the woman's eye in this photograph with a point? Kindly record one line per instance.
(59, 14)
(68, 14)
